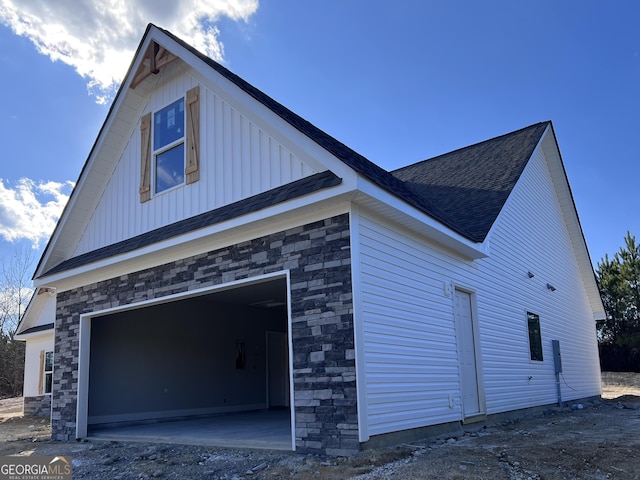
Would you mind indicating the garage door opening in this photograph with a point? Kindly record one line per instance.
(211, 369)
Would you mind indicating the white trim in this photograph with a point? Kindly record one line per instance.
(155, 152)
(82, 408)
(375, 198)
(45, 371)
(550, 150)
(358, 328)
(477, 347)
(257, 224)
(292, 405)
(28, 336)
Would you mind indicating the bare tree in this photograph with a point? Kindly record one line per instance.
(15, 292)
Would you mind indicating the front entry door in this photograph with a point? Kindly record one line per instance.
(467, 354)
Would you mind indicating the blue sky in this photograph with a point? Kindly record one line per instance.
(398, 82)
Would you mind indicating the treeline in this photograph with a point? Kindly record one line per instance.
(15, 293)
(619, 334)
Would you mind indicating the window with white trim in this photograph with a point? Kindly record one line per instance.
(48, 372)
(168, 146)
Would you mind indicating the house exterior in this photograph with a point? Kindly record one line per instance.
(221, 254)
(36, 329)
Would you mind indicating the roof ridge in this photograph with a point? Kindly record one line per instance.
(347, 155)
(468, 147)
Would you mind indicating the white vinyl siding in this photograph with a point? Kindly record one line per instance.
(410, 358)
(409, 334)
(237, 160)
(533, 215)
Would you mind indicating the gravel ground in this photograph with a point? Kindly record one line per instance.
(600, 441)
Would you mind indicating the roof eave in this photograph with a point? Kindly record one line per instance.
(45, 332)
(567, 203)
(43, 263)
(320, 204)
(372, 196)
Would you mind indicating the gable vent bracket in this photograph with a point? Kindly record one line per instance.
(155, 58)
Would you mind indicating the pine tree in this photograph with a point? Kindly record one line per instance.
(619, 283)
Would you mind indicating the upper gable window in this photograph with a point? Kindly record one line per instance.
(168, 146)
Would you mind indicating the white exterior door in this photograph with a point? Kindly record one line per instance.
(277, 370)
(467, 354)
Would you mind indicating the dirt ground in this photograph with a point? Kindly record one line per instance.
(600, 441)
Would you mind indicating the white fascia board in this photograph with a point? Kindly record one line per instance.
(83, 199)
(23, 337)
(320, 205)
(27, 315)
(32, 316)
(274, 125)
(551, 150)
(380, 200)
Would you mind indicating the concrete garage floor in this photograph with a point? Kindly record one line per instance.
(262, 429)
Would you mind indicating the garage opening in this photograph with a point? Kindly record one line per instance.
(211, 369)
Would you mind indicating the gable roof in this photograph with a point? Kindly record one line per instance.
(350, 157)
(39, 314)
(51, 258)
(469, 186)
(453, 189)
(464, 190)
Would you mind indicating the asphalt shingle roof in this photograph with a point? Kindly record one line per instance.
(464, 190)
(248, 205)
(470, 186)
(39, 328)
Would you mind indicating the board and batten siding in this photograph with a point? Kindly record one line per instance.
(237, 160)
(407, 314)
(35, 346)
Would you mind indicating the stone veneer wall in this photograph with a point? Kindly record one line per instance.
(319, 260)
(39, 406)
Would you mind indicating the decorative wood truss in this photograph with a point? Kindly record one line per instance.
(155, 58)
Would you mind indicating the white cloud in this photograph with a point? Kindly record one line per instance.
(30, 210)
(98, 37)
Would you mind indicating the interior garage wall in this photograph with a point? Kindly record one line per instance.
(178, 359)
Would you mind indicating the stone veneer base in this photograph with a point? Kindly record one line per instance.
(39, 406)
(318, 258)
